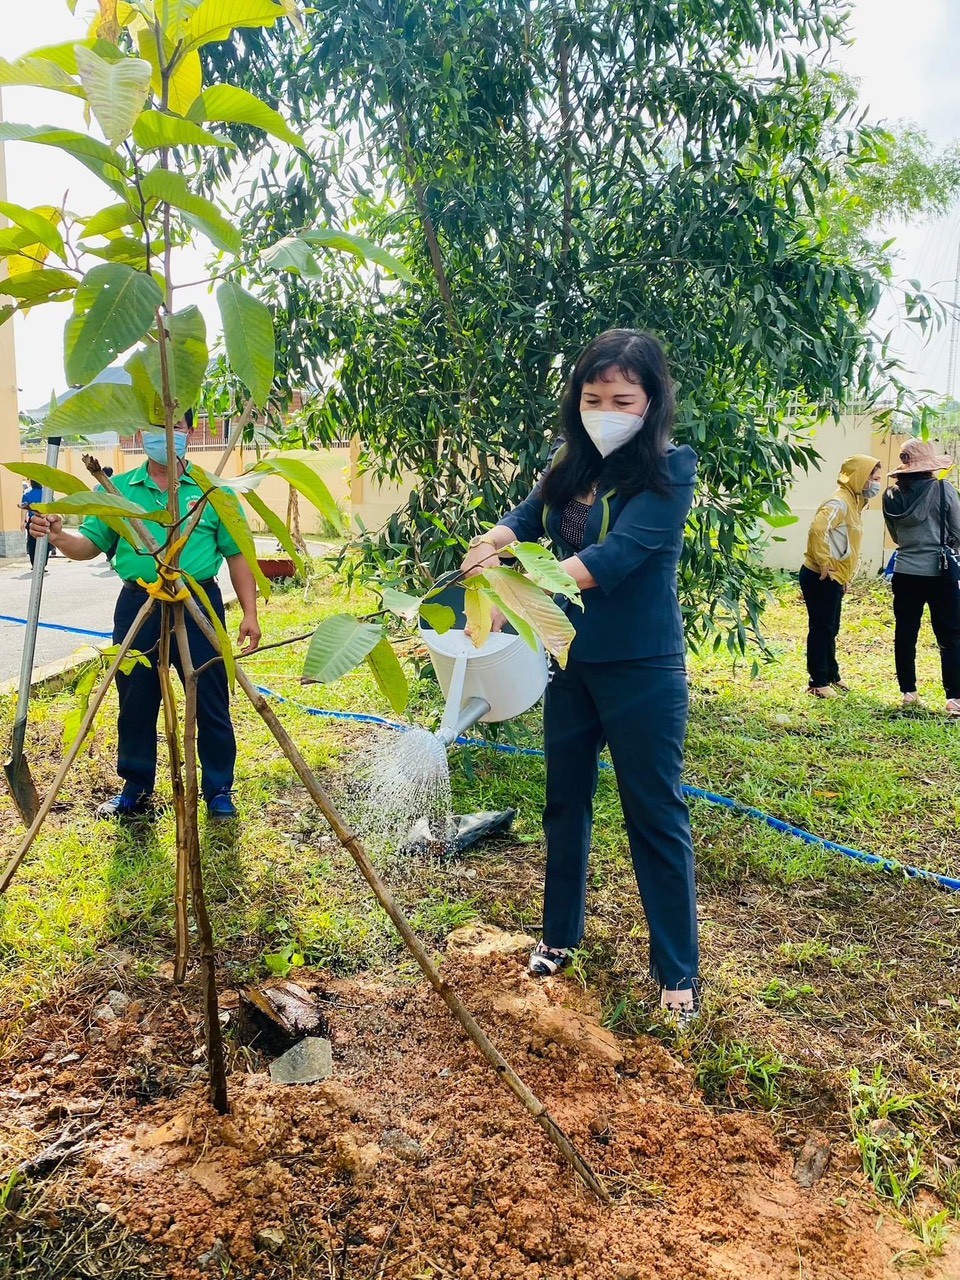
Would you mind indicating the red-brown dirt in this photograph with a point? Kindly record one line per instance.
(413, 1161)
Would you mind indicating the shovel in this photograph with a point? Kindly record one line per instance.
(19, 779)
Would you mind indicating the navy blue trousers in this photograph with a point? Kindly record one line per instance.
(639, 709)
(140, 700)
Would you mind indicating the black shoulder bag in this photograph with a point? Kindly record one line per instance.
(949, 560)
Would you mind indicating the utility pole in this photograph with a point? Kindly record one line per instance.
(11, 488)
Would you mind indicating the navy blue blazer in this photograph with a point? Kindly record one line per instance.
(631, 547)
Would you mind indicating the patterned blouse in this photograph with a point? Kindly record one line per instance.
(573, 522)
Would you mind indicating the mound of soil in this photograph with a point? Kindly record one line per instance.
(412, 1161)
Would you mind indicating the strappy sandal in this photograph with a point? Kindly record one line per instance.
(953, 707)
(822, 691)
(546, 961)
(679, 1014)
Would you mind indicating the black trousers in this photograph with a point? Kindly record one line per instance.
(639, 708)
(910, 593)
(140, 701)
(824, 600)
(31, 548)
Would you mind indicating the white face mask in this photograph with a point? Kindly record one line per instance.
(871, 489)
(609, 430)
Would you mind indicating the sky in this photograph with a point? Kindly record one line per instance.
(907, 70)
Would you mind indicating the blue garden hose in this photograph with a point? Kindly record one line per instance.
(696, 793)
(506, 748)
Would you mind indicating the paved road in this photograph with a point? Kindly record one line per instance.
(78, 594)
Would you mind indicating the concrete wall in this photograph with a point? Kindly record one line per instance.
(835, 441)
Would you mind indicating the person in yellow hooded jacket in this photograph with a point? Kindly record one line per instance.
(830, 565)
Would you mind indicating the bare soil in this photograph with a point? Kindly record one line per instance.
(412, 1161)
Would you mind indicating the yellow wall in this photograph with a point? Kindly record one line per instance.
(834, 441)
(333, 464)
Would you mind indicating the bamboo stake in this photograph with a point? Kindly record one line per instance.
(182, 930)
(213, 1036)
(75, 746)
(351, 842)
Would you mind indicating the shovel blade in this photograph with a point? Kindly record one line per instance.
(23, 788)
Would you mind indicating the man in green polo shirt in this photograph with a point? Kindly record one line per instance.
(139, 692)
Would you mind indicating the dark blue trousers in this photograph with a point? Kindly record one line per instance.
(140, 700)
(638, 708)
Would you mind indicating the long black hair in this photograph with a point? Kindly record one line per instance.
(636, 465)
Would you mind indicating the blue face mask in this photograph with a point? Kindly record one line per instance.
(155, 445)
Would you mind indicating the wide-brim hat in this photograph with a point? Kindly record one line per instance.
(921, 455)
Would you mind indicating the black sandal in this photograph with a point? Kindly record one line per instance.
(546, 961)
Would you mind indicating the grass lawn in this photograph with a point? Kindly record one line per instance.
(831, 988)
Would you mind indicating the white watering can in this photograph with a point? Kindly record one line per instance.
(500, 680)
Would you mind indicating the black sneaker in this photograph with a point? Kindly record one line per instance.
(130, 803)
(221, 808)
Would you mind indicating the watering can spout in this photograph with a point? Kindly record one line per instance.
(473, 709)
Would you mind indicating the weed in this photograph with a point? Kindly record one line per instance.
(892, 1158)
(627, 1014)
(438, 915)
(934, 1232)
(733, 1072)
(802, 954)
(780, 995)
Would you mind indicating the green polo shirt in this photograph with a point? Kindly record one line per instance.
(205, 550)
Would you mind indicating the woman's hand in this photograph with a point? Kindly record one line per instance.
(482, 556)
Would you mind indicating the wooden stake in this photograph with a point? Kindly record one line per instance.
(216, 1064)
(170, 727)
(75, 746)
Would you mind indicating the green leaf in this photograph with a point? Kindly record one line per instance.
(248, 336)
(400, 603)
(82, 691)
(103, 406)
(38, 72)
(38, 286)
(339, 644)
(226, 104)
(227, 507)
(276, 527)
(389, 675)
(49, 477)
(215, 20)
(521, 600)
(187, 358)
(160, 184)
(116, 91)
(543, 568)
(438, 617)
(151, 402)
(113, 308)
(97, 502)
(42, 229)
(80, 145)
(156, 130)
(296, 253)
(125, 250)
(110, 219)
(306, 480)
(226, 647)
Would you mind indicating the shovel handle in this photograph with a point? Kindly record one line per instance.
(33, 618)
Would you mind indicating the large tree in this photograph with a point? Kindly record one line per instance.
(554, 170)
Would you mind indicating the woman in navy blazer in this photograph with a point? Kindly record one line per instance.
(613, 501)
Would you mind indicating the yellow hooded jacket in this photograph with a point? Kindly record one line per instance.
(833, 543)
